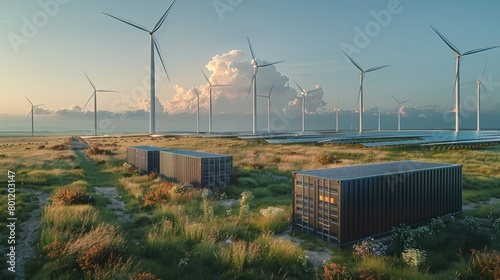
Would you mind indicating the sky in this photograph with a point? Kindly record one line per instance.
(46, 45)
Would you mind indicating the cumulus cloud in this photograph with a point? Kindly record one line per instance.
(420, 112)
(236, 70)
(41, 111)
(143, 104)
(314, 102)
(73, 110)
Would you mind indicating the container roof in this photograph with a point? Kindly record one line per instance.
(374, 169)
(196, 153)
(149, 148)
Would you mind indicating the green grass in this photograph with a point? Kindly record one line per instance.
(178, 240)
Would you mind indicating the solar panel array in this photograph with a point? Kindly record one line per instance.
(450, 139)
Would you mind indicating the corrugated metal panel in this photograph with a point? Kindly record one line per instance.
(211, 171)
(145, 158)
(371, 206)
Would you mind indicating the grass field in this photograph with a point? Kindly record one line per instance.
(177, 232)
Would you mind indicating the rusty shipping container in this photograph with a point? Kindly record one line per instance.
(201, 169)
(145, 158)
(348, 204)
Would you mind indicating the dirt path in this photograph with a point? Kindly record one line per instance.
(116, 206)
(29, 231)
(316, 257)
(77, 144)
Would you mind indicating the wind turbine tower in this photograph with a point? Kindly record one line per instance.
(256, 67)
(458, 59)
(478, 101)
(210, 86)
(303, 101)
(94, 94)
(337, 109)
(197, 111)
(153, 45)
(32, 112)
(269, 104)
(399, 111)
(379, 110)
(360, 96)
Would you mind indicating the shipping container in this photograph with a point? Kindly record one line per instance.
(348, 204)
(145, 158)
(201, 169)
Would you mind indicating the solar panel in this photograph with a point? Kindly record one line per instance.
(383, 138)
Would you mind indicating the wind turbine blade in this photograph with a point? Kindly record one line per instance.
(301, 90)
(354, 62)
(269, 95)
(162, 19)
(452, 47)
(487, 92)
(357, 102)
(88, 101)
(376, 68)
(316, 89)
(28, 100)
(455, 83)
(158, 50)
(128, 22)
(220, 86)
(105, 90)
(29, 113)
(271, 63)
(468, 83)
(89, 80)
(197, 94)
(206, 78)
(479, 50)
(251, 49)
(251, 85)
(405, 101)
(489, 100)
(396, 100)
(40, 105)
(482, 74)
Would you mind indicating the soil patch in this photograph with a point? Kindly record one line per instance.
(115, 205)
(25, 249)
(316, 257)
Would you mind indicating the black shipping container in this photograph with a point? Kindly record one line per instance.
(145, 158)
(201, 169)
(348, 204)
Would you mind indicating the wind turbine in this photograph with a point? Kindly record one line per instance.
(153, 45)
(379, 110)
(256, 67)
(360, 96)
(303, 101)
(197, 111)
(94, 94)
(399, 111)
(210, 100)
(337, 109)
(478, 101)
(269, 104)
(32, 112)
(458, 58)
